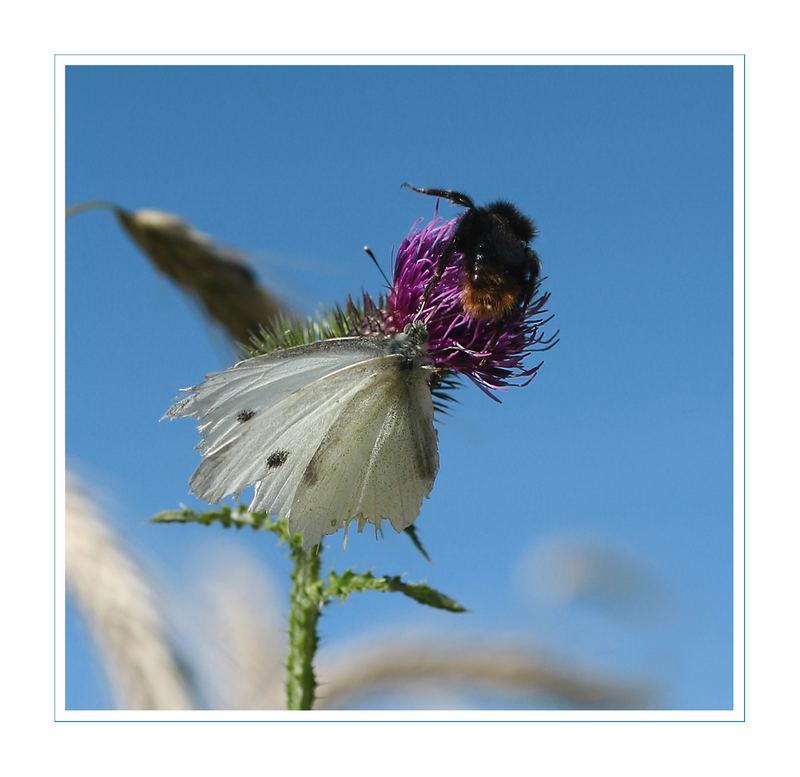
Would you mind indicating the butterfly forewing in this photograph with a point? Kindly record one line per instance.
(226, 397)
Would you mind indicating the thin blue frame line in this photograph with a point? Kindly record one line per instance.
(420, 720)
(55, 344)
(744, 388)
(401, 54)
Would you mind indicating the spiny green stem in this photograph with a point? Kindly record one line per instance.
(305, 610)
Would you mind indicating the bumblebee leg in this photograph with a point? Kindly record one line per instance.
(437, 274)
(458, 199)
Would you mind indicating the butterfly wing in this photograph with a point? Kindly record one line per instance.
(378, 459)
(328, 432)
(228, 399)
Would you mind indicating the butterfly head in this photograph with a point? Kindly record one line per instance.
(411, 344)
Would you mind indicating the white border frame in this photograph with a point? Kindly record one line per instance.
(737, 714)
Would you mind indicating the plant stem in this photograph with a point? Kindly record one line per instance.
(304, 613)
(90, 205)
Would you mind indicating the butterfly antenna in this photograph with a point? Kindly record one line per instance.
(430, 315)
(375, 262)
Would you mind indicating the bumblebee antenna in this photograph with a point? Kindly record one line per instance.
(369, 253)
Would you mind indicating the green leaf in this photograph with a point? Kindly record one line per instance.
(411, 531)
(349, 582)
(238, 517)
(424, 594)
(355, 318)
(442, 386)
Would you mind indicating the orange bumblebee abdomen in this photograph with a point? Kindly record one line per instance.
(495, 297)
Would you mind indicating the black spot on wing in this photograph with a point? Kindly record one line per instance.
(245, 415)
(276, 459)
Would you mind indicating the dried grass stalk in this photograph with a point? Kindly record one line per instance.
(437, 664)
(218, 278)
(239, 639)
(119, 607)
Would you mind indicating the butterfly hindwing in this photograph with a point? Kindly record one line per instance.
(377, 460)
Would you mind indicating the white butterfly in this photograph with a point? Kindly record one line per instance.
(329, 432)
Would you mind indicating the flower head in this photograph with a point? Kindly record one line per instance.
(490, 353)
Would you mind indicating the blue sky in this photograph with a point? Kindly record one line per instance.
(623, 442)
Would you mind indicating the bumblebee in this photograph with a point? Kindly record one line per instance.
(501, 271)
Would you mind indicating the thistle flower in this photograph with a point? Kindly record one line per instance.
(489, 353)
